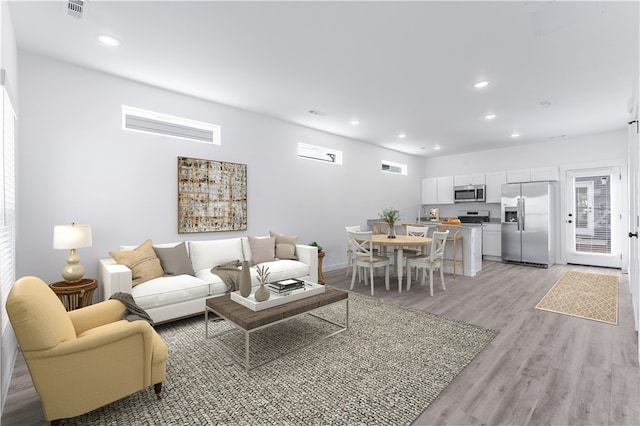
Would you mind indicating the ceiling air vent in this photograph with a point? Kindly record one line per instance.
(75, 8)
(140, 120)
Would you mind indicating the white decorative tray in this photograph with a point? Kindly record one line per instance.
(310, 289)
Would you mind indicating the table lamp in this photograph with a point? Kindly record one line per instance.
(72, 237)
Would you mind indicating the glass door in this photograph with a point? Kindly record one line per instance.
(593, 217)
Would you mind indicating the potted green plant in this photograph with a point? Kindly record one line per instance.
(390, 216)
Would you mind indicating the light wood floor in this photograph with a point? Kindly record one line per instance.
(542, 367)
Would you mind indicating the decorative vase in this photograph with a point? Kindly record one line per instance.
(245, 280)
(262, 293)
(391, 233)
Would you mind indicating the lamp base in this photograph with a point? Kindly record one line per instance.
(73, 272)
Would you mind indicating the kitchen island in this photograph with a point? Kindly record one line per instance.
(472, 243)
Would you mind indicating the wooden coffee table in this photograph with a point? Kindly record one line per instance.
(248, 321)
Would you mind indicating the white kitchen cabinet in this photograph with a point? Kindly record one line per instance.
(445, 189)
(474, 179)
(492, 241)
(544, 174)
(518, 176)
(494, 186)
(429, 191)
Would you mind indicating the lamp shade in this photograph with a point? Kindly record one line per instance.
(71, 236)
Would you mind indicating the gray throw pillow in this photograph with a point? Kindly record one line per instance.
(262, 249)
(285, 246)
(175, 260)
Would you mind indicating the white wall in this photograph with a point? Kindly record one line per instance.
(77, 164)
(604, 147)
(579, 149)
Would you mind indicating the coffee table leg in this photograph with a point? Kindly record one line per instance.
(206, 322)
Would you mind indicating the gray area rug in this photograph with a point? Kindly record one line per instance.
(385, 370)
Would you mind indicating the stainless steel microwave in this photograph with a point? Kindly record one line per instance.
(469, 193)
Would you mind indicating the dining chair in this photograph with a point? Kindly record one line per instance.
(431, 262)
(350, 251)
(457, 240)
(418, 231)
(362, 243)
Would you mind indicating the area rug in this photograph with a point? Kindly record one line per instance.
(385, 370)
(584, 295)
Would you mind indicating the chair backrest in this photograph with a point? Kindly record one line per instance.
(362, 243)
(439, 239)
(380, 227)
(455, 229)
(355, 228)
(418, 231)
(37, 315)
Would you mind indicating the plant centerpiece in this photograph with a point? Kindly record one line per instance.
(262, 293)
(390, 216)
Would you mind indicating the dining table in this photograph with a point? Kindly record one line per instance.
(397, 244)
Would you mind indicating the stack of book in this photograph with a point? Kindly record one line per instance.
(285, 287)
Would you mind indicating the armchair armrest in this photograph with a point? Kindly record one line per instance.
(309, 255)
(116, 357)
(113, 278)
(92, 316)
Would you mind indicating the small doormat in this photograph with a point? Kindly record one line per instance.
(584, 295)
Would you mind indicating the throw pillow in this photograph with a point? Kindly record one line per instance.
(262, 249)
(142, 261)
(285, 246)
(175, 260)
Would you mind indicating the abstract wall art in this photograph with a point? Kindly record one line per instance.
(212, 196)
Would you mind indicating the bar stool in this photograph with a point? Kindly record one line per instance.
(455, 236)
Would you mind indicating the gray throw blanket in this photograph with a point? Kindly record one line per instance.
(133, 311)
(229, 273)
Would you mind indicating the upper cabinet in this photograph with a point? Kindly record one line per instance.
(539, 174)
(430, 191)
(517, 176)
(474, 179)
(445, 190)
(494, 186)
(542, 174)
(437, 190)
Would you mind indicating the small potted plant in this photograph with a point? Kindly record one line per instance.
(390, 216)
(262, 293)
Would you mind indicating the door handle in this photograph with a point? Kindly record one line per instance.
(633, 234)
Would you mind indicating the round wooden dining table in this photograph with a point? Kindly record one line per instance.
(398, 244)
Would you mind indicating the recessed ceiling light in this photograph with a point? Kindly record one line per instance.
(481, 84)
(355, 122)
(490, 116)
(515, 135)
(402, 135)
(437, 147)
(108, 40)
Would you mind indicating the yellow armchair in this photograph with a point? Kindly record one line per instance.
(83, 359)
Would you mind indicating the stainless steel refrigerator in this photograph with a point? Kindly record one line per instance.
(527, 223)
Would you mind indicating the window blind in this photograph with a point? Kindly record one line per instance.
(7, 205)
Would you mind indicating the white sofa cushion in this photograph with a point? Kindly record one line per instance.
(217, 285)
(210, 253)
(285, 268)
(169, 289)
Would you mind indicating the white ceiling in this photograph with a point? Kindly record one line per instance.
(396, 66)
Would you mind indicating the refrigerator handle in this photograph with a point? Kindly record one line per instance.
(523, 213)
(518, 214)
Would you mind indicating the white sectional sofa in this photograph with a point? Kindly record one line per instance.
(167, 298)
